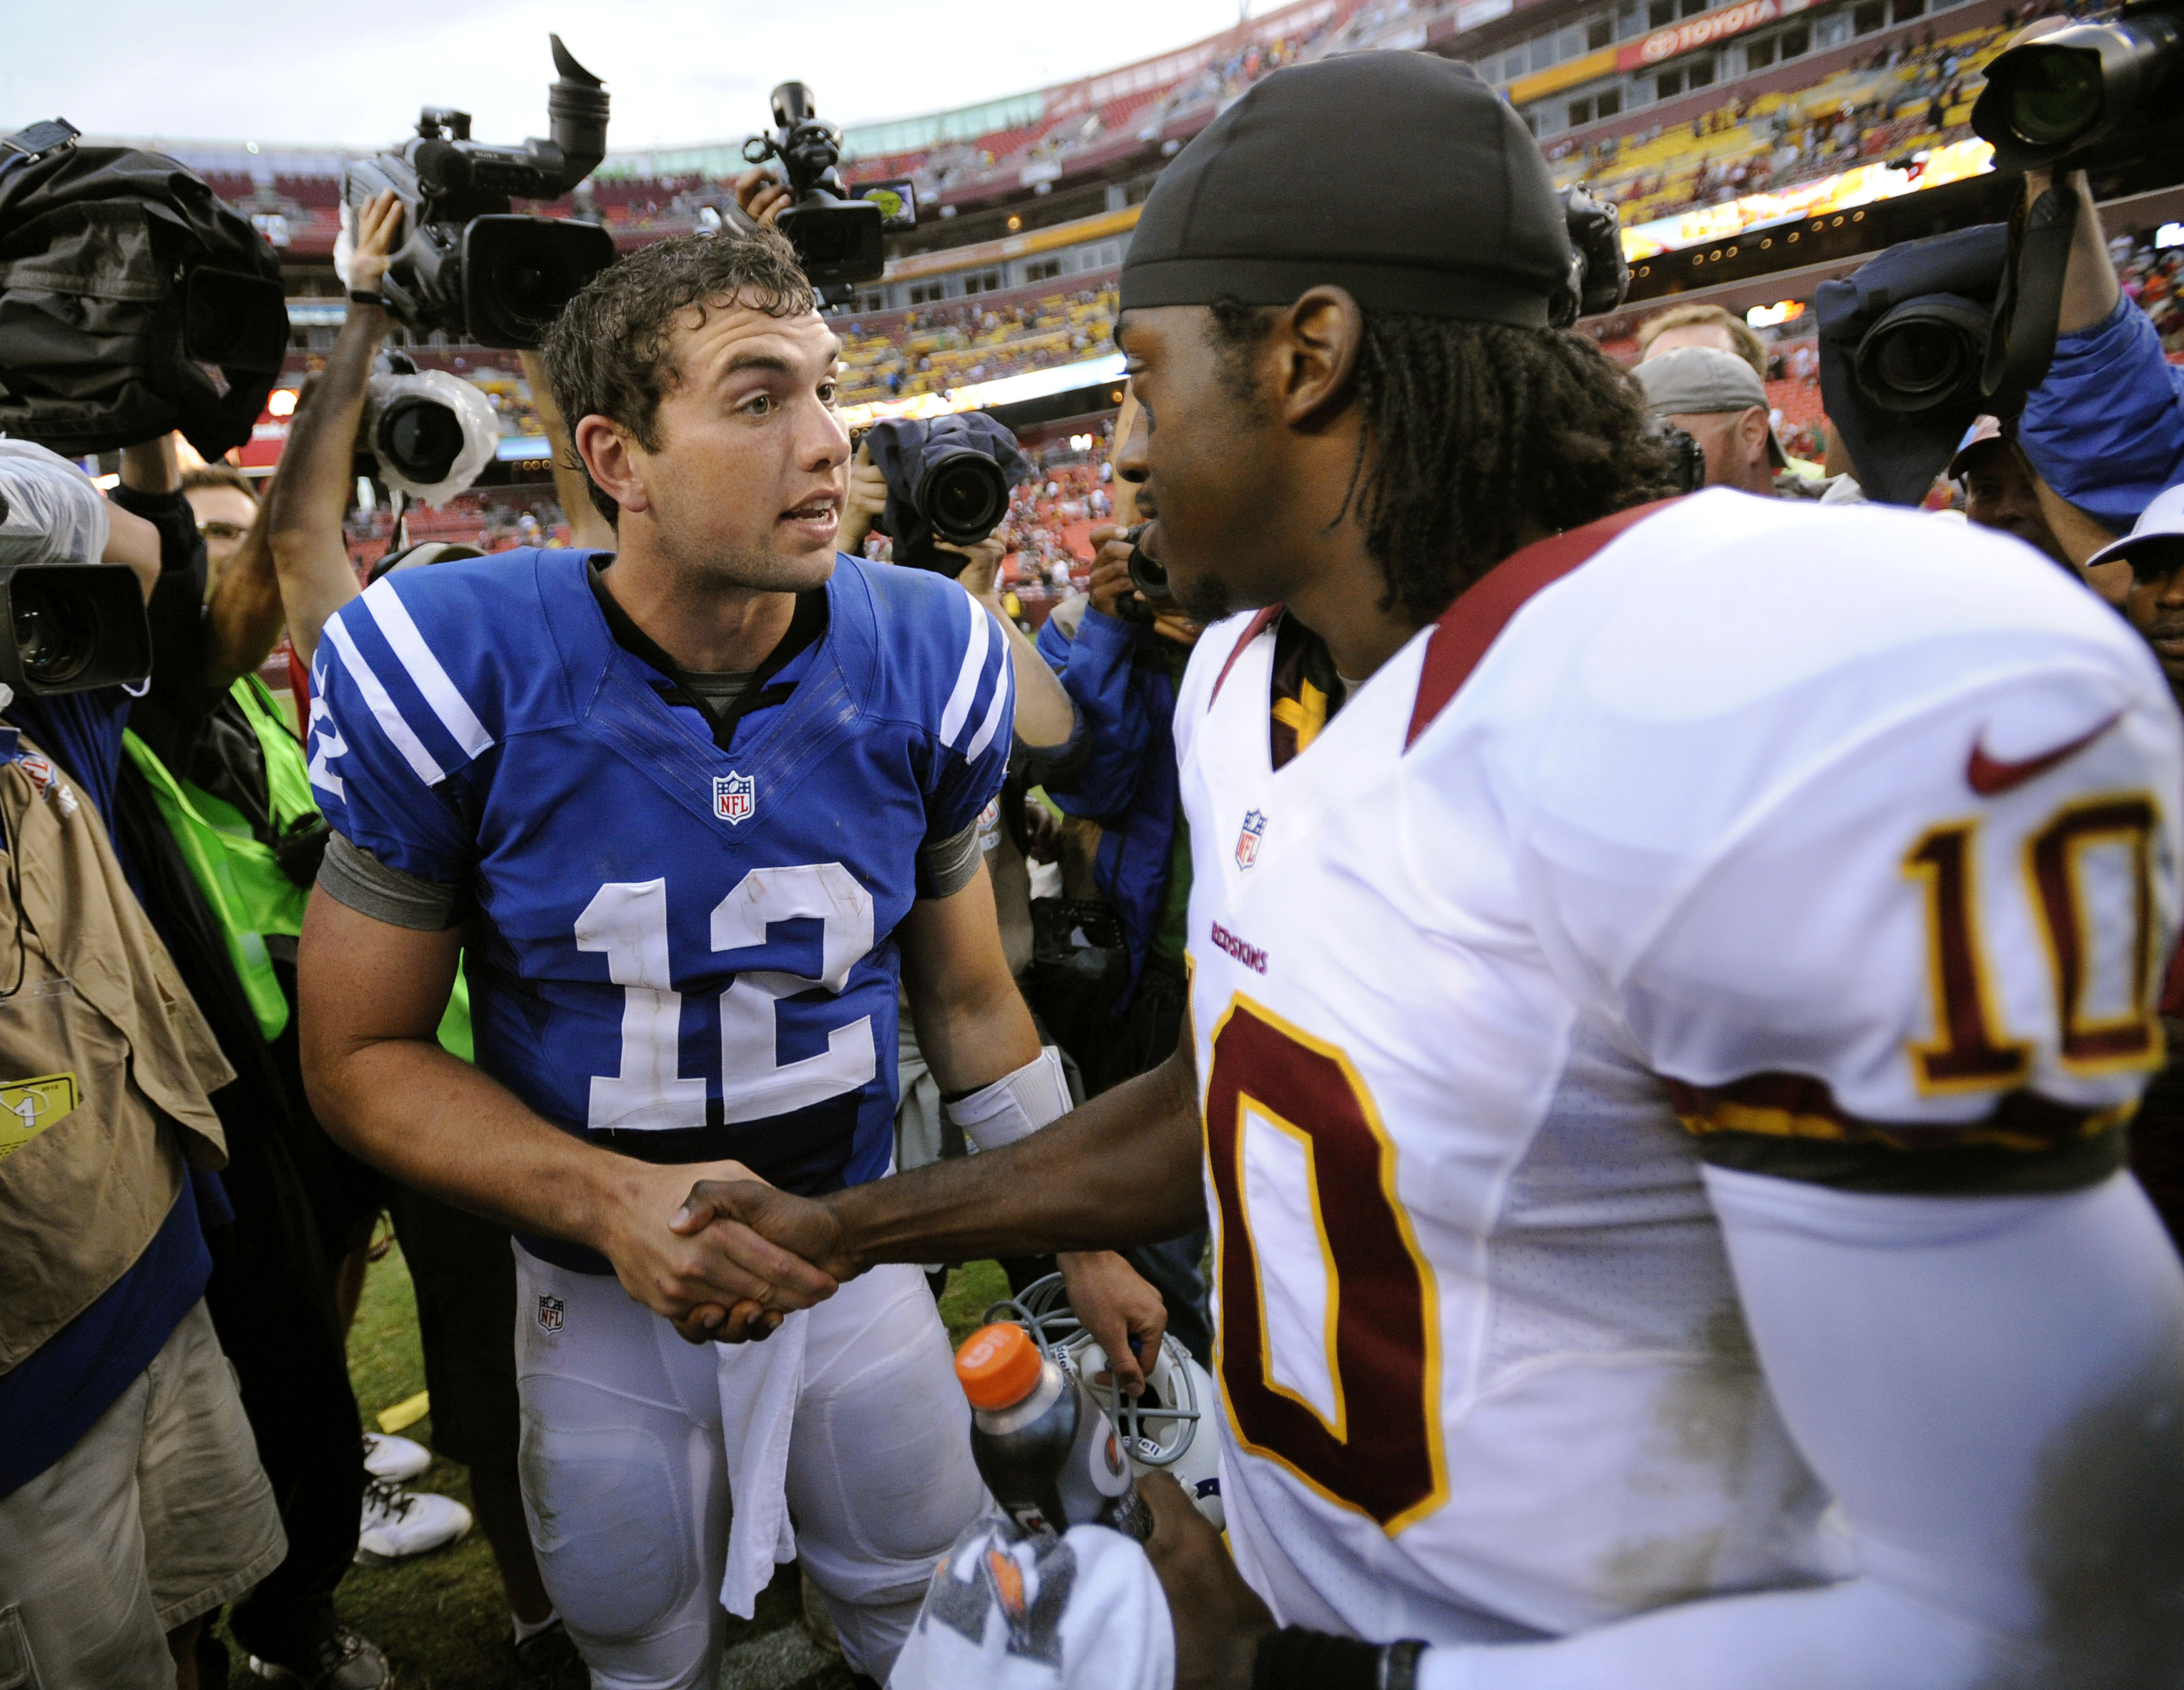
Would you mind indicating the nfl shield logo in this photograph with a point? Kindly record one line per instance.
(550, 1310)
(734, 796)
(1247, 842)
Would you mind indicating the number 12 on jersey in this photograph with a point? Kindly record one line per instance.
(628, 921)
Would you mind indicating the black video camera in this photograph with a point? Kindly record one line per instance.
(837, 236)
(467, 266)
(2048, 101)
(1903, 344)
(947, 479)
(67, 628)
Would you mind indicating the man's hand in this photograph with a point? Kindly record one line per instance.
(777, 1241)
(717, 1280)
(981, 575)
(1110, 569)
(1218, 1619)
(378, 227)
(863, 502)
(1119, 1308)
(761, 198)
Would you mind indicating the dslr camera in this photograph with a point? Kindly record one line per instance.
(837, 236)
(2048, 102)
(468, 266)
(947, 479)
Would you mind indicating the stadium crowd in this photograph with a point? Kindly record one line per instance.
(1631, 1263)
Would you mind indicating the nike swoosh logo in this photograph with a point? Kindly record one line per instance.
(1991, 777)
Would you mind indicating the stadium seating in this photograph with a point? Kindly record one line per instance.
(1874, 113)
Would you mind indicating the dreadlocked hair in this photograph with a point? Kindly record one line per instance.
(1471, 431)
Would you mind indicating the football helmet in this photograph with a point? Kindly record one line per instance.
(1159, 1429)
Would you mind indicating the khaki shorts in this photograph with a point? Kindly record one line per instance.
(158, 1514)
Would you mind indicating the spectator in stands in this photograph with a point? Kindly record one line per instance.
(227, 505)
(2000, 491)
(1718, 400)
(132, 1502)
(1682, 326)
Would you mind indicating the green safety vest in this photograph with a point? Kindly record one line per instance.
(250, 895)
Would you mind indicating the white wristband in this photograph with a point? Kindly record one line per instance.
(1015, 1106)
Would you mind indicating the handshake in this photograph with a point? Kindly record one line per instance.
(738, 1255)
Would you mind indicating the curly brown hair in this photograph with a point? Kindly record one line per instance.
(1471, 431)
(606, 355)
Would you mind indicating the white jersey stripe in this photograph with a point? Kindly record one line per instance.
(455, 715)
(1003, 682)
(382, 707)
(966, 680)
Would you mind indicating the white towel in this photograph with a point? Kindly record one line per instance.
(759, 1386)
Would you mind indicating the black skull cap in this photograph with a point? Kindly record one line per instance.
(1399, 176)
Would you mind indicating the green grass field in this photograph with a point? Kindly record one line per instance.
(442, 1618)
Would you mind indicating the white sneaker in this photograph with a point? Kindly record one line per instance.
(394, 1458)
(398, 1523)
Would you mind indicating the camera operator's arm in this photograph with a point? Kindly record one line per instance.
(2105, 427)
(1046, 716)
(243, 620)
(589, 530)
(311, 493)
(51, 512)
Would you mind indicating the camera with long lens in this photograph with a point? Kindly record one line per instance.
(2051, 100)
(68, 627)
(468, 265)
(426, 432)
(1903, 342)
(948, 480)
(837, 234)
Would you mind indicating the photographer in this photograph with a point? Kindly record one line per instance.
(132, 1500)
(1717, 398)
(1120, 661)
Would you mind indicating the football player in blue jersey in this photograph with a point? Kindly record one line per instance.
(689, 810)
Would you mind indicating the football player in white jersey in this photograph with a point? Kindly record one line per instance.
(1670, 982)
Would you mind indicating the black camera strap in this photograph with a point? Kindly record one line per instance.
(2021, 343)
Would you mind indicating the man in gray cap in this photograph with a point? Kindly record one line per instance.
(1634, 1105)
(1715, 398)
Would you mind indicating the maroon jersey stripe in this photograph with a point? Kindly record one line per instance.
(1473, 623)
(1258, 625)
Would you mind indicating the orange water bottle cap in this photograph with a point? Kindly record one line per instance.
(998, 1366)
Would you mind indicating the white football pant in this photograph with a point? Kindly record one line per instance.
(626, 1481)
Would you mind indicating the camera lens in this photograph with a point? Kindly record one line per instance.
(2053, 96)
(56, 627)
(1148, 574)
(419, 439)
(1924, 353)
(964, 494)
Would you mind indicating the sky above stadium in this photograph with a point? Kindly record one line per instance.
(679, 72)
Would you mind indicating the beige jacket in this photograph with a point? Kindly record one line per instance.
(105, 1065)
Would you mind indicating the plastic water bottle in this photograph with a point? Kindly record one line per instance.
(1044, 1446)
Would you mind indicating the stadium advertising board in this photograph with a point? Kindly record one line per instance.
(1703, 30)
(1855, 188)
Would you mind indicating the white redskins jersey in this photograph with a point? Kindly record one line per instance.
(1836, 844)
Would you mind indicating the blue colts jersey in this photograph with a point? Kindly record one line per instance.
(676, 950)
